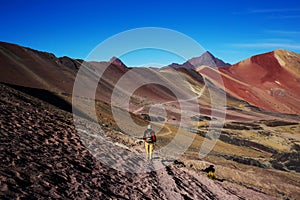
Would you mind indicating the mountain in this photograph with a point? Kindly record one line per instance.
(274, 88)
(117, 62)
(44, 155)
(207, 59)
(270, 81)
(31, 68)
(35, 69)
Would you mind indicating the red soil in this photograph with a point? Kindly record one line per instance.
(261, 81)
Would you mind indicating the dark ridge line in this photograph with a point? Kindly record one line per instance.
(49, 97)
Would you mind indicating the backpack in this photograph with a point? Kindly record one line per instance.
(150, 138)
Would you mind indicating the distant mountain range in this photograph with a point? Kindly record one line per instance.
(270, 81)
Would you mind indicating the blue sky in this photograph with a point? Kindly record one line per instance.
(231, 30)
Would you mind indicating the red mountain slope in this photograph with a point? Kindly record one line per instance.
(270, 81)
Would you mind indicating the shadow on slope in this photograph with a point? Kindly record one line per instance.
(50, 98)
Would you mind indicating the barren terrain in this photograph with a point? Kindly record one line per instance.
(50, 149)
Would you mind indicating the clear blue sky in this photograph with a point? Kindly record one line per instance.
(231, 30)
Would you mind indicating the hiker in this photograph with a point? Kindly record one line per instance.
(210, 172)
(149, 139)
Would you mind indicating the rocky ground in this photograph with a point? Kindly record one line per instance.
(43, 156)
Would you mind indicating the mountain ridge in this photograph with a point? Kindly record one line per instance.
(207, 59)
(31, 68)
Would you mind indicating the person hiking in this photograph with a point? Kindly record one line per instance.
(210, 172)
(149, 140)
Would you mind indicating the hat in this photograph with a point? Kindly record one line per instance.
(149, 126)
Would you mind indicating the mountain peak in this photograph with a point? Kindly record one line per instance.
(208, 53)
(116, 61)
(289, 60)
(207, 58)
(284, 52)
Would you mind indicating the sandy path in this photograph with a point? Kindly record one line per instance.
(138, 110)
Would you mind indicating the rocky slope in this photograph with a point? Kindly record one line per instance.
(42, 156)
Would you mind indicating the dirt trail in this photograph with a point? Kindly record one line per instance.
(166, 133)
(176, 101)
(138, 110)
